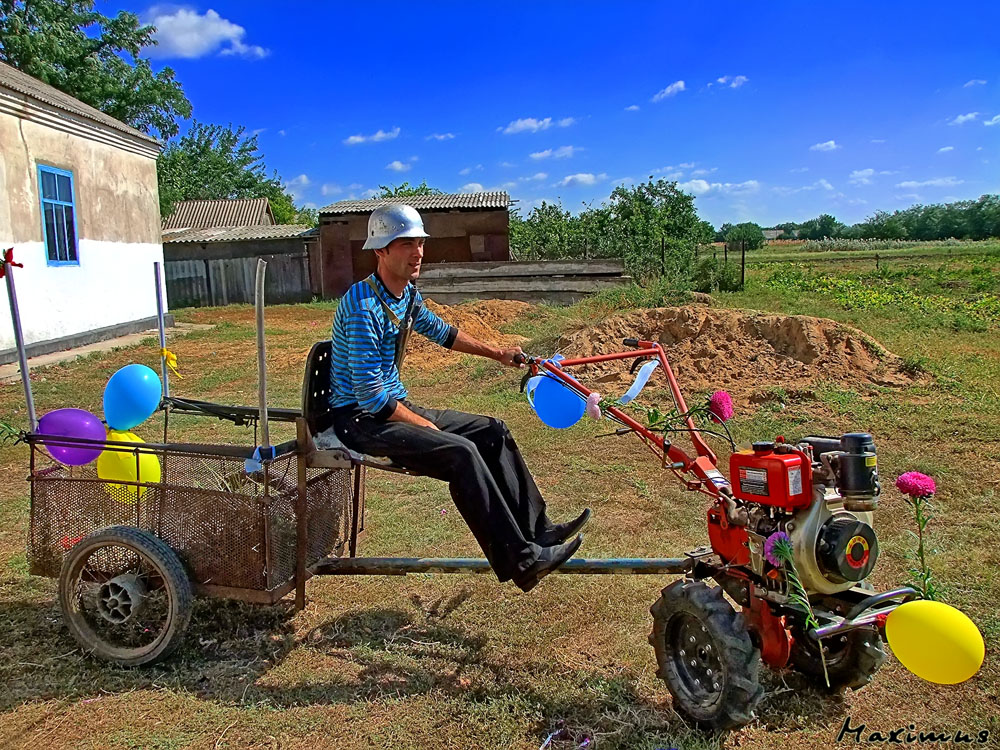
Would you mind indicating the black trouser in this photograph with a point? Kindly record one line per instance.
(477, 456)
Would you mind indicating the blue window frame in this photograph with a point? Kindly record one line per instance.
(55, 186)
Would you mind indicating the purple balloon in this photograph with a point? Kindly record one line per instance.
(72, 423)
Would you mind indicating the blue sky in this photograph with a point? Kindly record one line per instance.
(765, 111)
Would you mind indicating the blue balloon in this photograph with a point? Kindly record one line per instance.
(556, 405)
(131, 396)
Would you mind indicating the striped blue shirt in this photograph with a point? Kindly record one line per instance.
(362, 369)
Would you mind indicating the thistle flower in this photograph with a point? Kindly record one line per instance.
(593, 409)
(778, 548)
(915, 484)
(720, 406)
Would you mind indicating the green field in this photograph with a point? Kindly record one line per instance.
(464, 662)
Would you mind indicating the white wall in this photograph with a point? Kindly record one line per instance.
(113, 284)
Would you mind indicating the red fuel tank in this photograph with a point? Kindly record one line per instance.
(762, 476)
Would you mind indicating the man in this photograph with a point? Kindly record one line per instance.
(476, 455)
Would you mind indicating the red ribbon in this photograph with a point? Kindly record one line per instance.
(8, 257)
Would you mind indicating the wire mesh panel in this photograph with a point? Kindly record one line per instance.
(231, 528)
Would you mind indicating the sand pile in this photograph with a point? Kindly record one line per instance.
(480, 319)
(744, 352)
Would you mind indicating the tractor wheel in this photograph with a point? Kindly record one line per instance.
(125, 596)
(851, 658)
(705, 656)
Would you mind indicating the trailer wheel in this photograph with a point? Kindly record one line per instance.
(704, 654)
(852, 659)
(125, 596)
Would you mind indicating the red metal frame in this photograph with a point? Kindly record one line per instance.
(703, 465)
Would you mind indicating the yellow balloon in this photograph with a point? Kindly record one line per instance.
(120, 466)
(935, 641)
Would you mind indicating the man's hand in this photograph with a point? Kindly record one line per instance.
(507, 357)
(402, 414)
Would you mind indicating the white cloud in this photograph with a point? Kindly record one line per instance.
(878, 140)
(703, 187)
(673, 89)
(861, 177)
(563, 152)
(440, 137)
(398, 166)
(734, 82)
(281, 132)
(703, 172)
(908, 197)
(370, 193)
(945, 149)
(296, 186)
(332, 188)
(507, 164)
(380, 135)
(821, 183)
(472, 187)
(799, 170)
(974, 82)
(632, 108)
(537, 177)
(994, 121)
(824, 146)
(582, 178)
(624, 181)
(936, 182)
(961, 119)
(355, 186)
(531, 125)
(469, 170)
(182, 32)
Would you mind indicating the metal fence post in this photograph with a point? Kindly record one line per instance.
(7, 264)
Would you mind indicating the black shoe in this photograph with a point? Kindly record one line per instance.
(563, 531)
(548, 560)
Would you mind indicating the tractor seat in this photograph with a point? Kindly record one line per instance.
(316, 409)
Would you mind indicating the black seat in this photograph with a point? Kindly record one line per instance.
(317, 412)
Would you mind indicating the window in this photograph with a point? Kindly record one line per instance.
(58, 215)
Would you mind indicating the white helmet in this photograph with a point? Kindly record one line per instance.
(392, 221)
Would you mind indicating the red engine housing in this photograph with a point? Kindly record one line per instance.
(761, 475)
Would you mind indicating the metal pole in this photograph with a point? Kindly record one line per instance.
(22, 356)
(163, 334)
(258, 299)
(743, 263)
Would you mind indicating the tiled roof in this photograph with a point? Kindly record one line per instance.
(22, 83)
(424, 202)
(236, 234)
(244, 212)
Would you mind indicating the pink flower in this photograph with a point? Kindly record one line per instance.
(915, 484)
(720, 404)
(593, 410)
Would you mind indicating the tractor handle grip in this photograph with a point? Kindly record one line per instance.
(634, 343)
(520, 359)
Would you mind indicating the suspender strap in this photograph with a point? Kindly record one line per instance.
(405, 325)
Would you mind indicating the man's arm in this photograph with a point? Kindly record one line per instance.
(470, 345)
(402, 414)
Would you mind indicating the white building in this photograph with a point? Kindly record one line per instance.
(79, 205)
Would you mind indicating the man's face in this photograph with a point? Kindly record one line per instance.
(402, 257)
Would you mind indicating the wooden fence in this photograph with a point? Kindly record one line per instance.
(553, 281)
(227, 281)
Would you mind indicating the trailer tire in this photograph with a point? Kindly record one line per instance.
(705, 656)
(125, 596)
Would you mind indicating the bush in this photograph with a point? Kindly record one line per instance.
(713, 275)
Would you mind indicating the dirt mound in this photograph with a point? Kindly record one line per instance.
(744, 352)
(478, 319)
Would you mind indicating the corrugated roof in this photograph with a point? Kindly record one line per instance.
(245, 212)
(22, 83)
(497, 199)
(236, 234)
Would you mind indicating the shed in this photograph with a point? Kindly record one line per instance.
(79, 205)
(463, 227)
(238, 212)
(217, 265)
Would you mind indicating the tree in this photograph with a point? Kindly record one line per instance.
(69, 45)
(212, 162)
(747, 235)
(405, 190)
